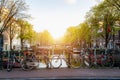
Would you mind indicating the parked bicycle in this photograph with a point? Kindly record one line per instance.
(25, 63)
(73, 60)
(44, 57)
(108, 59)
(99, 58)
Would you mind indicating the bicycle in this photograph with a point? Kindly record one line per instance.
(25, 63)
(102, 58)
(44, 57)
(30, 62)
(107, 59)
(73, 60)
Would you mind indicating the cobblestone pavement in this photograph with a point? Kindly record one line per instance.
(63, 73)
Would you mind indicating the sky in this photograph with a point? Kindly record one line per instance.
(57, 15)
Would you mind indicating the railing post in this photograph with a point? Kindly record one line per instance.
(1, 60)
(1, 51)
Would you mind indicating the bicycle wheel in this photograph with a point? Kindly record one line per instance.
(36, 63)
(87, 61)
(56, 61)
(108, 62)
(9, 65)
(76, 61)
(27, 65)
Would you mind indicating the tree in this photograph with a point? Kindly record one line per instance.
(77, 36)
(45, 38)
(12, 30)
(34, 39)
(115, 3)
(26, 32)
(10, 9)
(70, 36)
(83, 34)
(106, 14)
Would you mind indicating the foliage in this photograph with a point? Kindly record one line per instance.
(12, 31)
(100, 17)
(9, 10)
(114, 3)
(106, 14)
(70, 35)
(76, 35)
(44, 38)
(26, 32)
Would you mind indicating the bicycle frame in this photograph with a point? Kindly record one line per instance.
(101, 59)
(72, 61)
(12, 59)
(25, 64)
(43, 58)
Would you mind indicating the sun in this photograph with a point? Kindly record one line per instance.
(56, 35)
(71, 1)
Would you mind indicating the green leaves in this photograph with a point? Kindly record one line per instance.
(26, 32)
(44, 38)
(77, 34)
(107, 13)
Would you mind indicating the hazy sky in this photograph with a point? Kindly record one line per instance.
(57, 15)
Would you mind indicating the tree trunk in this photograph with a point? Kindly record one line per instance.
(10, 43)
(21, 41)
(119, 35)
(106, 31)
(106, 38)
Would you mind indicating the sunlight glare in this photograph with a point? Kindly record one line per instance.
(56, 35)
(71, 1)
